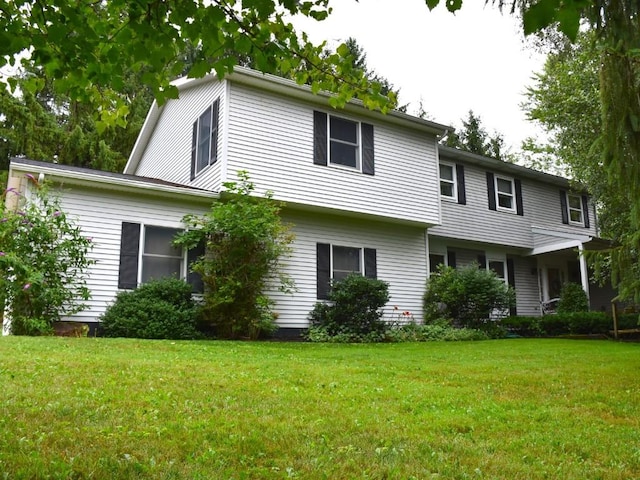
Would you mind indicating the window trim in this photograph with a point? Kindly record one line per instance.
(570, 208)
(360, 260)
(513, 208)
(214, 110)
(454, 182)
(131, 255)
(358, 167)
(142, 255)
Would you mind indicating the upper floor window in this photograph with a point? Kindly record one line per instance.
(448, 180)
(343, 142)
(574, 202)
(504, 193)
(204, 143)
(575, 209)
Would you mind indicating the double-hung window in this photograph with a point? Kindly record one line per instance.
(575, 209)
(336, 262)
(204, 143)
(448, 181)
(343, 142)
(574, 203)
(160, 258)
(505, 193)
(147, 253)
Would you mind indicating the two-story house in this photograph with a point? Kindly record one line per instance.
(365, 192)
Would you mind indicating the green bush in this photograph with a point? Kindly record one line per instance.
(158, 309)
(627, 321)
(523, 326)
(573, 299)
(467, 296)
(439, 331)
(354, 310)
(44, 258)
(246, 241)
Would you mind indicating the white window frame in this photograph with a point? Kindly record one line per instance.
(358, 144)
(453, 182)
(570, 209)
(498, 193)
(142, 254)
(497, 258)
(360, 260)
(213, 129)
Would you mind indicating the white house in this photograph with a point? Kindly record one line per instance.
(365, 192)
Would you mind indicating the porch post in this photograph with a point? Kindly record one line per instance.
(584, 274)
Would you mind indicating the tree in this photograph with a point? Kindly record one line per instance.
(87, 48)
(474, 138)
(49, 126)
(245, 242)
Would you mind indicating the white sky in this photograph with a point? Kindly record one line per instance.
(473, 60)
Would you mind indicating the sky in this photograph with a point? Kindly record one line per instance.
(473, 60)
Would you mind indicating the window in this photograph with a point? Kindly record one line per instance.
(498, 266)
(342, 142)
(504, 193)
(160, 258)
(575, 209)
(204, 144)
(448, 180)
(435, 260)
(574, 202)
(335, 262)
(147, 253)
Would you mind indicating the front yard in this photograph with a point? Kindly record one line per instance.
(511, 409)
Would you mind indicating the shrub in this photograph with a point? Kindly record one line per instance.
(468, 296)
(523, 326)
(573, 299)
(576, 322)
(43, 262)
(245, 241)
(438, 331)
(158, 309)
(354, 310)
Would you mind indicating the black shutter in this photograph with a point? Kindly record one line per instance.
(370, 263)
(319, 138)
(129, 250)
(323, 260)
(518, 185)
(462, 192)
(585, 211)
(193, 278)
(194, 149)
(511, 278)
(451, 258)
(213, 155)
(367, 149)
(491, 191)
(563, 206)
(482, 261)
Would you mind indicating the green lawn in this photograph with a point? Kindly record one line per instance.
(512, 409)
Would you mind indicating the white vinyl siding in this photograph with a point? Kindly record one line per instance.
(168, 152)
(476, 222)
(100, 215)
(400, 254)
(272, 138)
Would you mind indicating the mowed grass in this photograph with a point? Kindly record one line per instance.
(512, 409)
